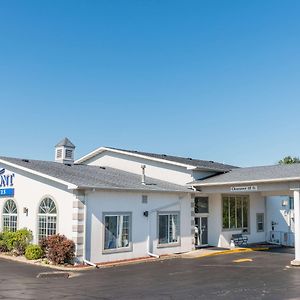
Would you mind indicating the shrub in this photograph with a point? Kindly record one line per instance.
(8, 240)
(17, 241)
(33, 252)
(58, 249)
(3, 247)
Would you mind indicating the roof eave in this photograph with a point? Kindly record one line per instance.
(199, 168)
(102, 149)
(68, 184)
(275, 180)
(120, 189)
(166, 161)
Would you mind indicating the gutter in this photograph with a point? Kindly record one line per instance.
(149, 227)
(188, 190)
(275, 180)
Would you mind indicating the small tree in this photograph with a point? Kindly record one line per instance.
(289, 160)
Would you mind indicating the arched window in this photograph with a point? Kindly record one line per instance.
(10, 216)
(47, 218)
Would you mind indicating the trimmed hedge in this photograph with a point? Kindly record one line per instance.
(34, 252)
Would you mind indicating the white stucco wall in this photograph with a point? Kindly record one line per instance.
(29, 192)
(99, 202)
(282, 216)
(159, 170)
(220, 238)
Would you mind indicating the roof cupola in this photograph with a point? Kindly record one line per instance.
(64, 152)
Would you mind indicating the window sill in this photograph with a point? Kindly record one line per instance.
(119, 250)
(235, 230)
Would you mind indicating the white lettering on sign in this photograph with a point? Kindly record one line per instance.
(6, 180)
(250, 188)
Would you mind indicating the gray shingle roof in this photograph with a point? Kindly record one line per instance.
(65, 142)
(253, 174)
(96, 177)
(202, 164)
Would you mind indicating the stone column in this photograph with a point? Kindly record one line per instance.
(296, 261)
(78, 226)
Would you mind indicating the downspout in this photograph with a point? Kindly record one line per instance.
(148, 237)
(87, 262)
(148, 241)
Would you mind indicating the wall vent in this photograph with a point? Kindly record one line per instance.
(144, 199)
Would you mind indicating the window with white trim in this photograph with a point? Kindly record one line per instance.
(168, 228)
(47, 218)
(10, 216)
(117, 231)
(235, 213)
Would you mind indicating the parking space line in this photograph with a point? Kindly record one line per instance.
(241, 260)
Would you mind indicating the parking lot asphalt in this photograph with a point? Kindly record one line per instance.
(251, 275)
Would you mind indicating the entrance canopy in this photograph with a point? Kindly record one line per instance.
(266, 180)
(261, 179)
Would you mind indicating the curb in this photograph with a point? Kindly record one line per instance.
(53, 275)
(136, 261)
(88, 268)
(233, 251)
(53, 267)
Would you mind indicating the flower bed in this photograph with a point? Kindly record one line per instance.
(55, 249)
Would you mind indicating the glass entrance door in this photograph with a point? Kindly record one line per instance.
(204, 231)
(201, 231)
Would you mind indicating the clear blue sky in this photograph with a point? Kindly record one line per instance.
(216, 80)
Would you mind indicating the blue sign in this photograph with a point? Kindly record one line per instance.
(7, 192)
(6, 180)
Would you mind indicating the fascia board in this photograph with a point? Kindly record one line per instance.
(132, 190)
(68, 184)
(246, 182)
(102, 149)
(90, 155)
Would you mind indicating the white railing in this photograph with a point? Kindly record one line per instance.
(282, 238)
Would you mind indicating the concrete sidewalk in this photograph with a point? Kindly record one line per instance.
(204, 252)
(212, 251)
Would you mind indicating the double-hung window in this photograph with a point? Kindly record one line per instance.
(235, 213)
(168, 228)
(117, 235)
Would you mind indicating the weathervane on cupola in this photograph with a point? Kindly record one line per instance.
(64, 152)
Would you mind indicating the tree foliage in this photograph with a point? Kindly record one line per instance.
(289, 160)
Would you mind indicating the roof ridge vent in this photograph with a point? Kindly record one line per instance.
(25, 160)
